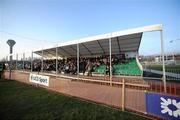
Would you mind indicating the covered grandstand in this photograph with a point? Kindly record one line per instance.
(110, 54)
(119, 49)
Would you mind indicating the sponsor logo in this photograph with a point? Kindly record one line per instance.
(39, 79)
(163, 105)
(170, 107)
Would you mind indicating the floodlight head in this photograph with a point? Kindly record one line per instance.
(11, 42)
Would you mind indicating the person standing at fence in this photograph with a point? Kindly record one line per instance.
(2, 67)
(89, 67)
(39, 67)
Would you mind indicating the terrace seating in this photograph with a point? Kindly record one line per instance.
(128, 68)
(101, 69)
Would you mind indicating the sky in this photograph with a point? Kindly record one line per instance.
(39, 23)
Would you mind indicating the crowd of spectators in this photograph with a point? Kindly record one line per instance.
(69, 65)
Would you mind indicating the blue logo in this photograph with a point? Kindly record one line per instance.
(163, 105)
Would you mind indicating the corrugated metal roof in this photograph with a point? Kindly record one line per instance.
(121, 41)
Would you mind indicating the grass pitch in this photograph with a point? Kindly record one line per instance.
(174, 68)
(22, 101)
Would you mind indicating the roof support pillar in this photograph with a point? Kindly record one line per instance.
(32, 61)
(110, 61)
(163, 65)
(16, 61)
(56, 60)
(78, 59)
(42, 61)
(23, 61)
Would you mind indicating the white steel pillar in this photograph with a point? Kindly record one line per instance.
(110, 62)
(16, 60)
(23, 61)
(163, 64)
(42, 61)
(56, 59)
(77, 59)
(32, 61)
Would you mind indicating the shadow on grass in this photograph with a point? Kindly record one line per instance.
(6, 80)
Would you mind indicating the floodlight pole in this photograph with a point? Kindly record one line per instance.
(11, 43)
(78, 59)
(110, 61)
(10, 67)
(32, 61)
(162, 54)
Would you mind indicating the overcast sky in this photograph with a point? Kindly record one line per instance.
(40, 23)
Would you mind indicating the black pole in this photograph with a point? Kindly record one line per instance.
(10, 66)
(11, 43)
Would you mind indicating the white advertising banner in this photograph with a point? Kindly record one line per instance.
(39, 79)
